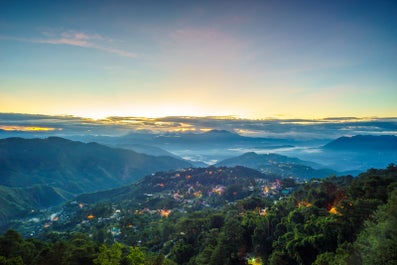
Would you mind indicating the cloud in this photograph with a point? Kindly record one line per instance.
(78, 39)
(271, 128)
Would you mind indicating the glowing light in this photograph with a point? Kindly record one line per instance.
(90, 217)
(266, 189)
(333, 211)
(304, 204)
(164, 212)
(198, 194)
(219, 190)
(255, 261)
(26, 128)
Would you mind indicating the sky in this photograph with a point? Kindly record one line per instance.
(245, 59)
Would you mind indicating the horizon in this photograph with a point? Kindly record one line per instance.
(230, 116)
(40, 125)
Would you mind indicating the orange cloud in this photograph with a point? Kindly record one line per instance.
(26, 128)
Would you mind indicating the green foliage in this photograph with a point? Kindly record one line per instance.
(109, 256)
(377, 243)
(136, 256)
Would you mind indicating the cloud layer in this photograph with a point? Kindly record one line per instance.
(299, 129)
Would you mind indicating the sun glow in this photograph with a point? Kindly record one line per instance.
(26, 128)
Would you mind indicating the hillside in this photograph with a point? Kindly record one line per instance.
(74, 166)
(181, 190)
(278, 165)
(185, 184)
(17, 202)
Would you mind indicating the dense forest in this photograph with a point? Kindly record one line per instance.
(337, 220)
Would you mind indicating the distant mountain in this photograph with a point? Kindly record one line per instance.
(214, 137)
(364, 143)
(278, 165)
(75, 167)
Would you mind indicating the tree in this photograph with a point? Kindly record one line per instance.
(136, 256)
(109, 256)
(182, 252)
(377, 243)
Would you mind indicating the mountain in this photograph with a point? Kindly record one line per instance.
(214, 137)
(360, 152)
(75, 167)
(278, 165)
(381, 143)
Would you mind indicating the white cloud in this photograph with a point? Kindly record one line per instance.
(78, 39)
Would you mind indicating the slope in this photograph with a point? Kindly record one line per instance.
(74, 166)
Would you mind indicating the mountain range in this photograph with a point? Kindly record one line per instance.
(60, 169)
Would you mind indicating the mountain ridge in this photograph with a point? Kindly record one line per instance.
(58, 161)
(364, 142)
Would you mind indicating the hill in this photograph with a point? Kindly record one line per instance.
(280, 165)
(74, 166)
(364, 143)
(182, 190)
(184, 184)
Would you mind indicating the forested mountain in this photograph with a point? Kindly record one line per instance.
(279, 165)
(37, 173)
(74, 166)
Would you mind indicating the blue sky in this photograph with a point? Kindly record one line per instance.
(250, 59)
